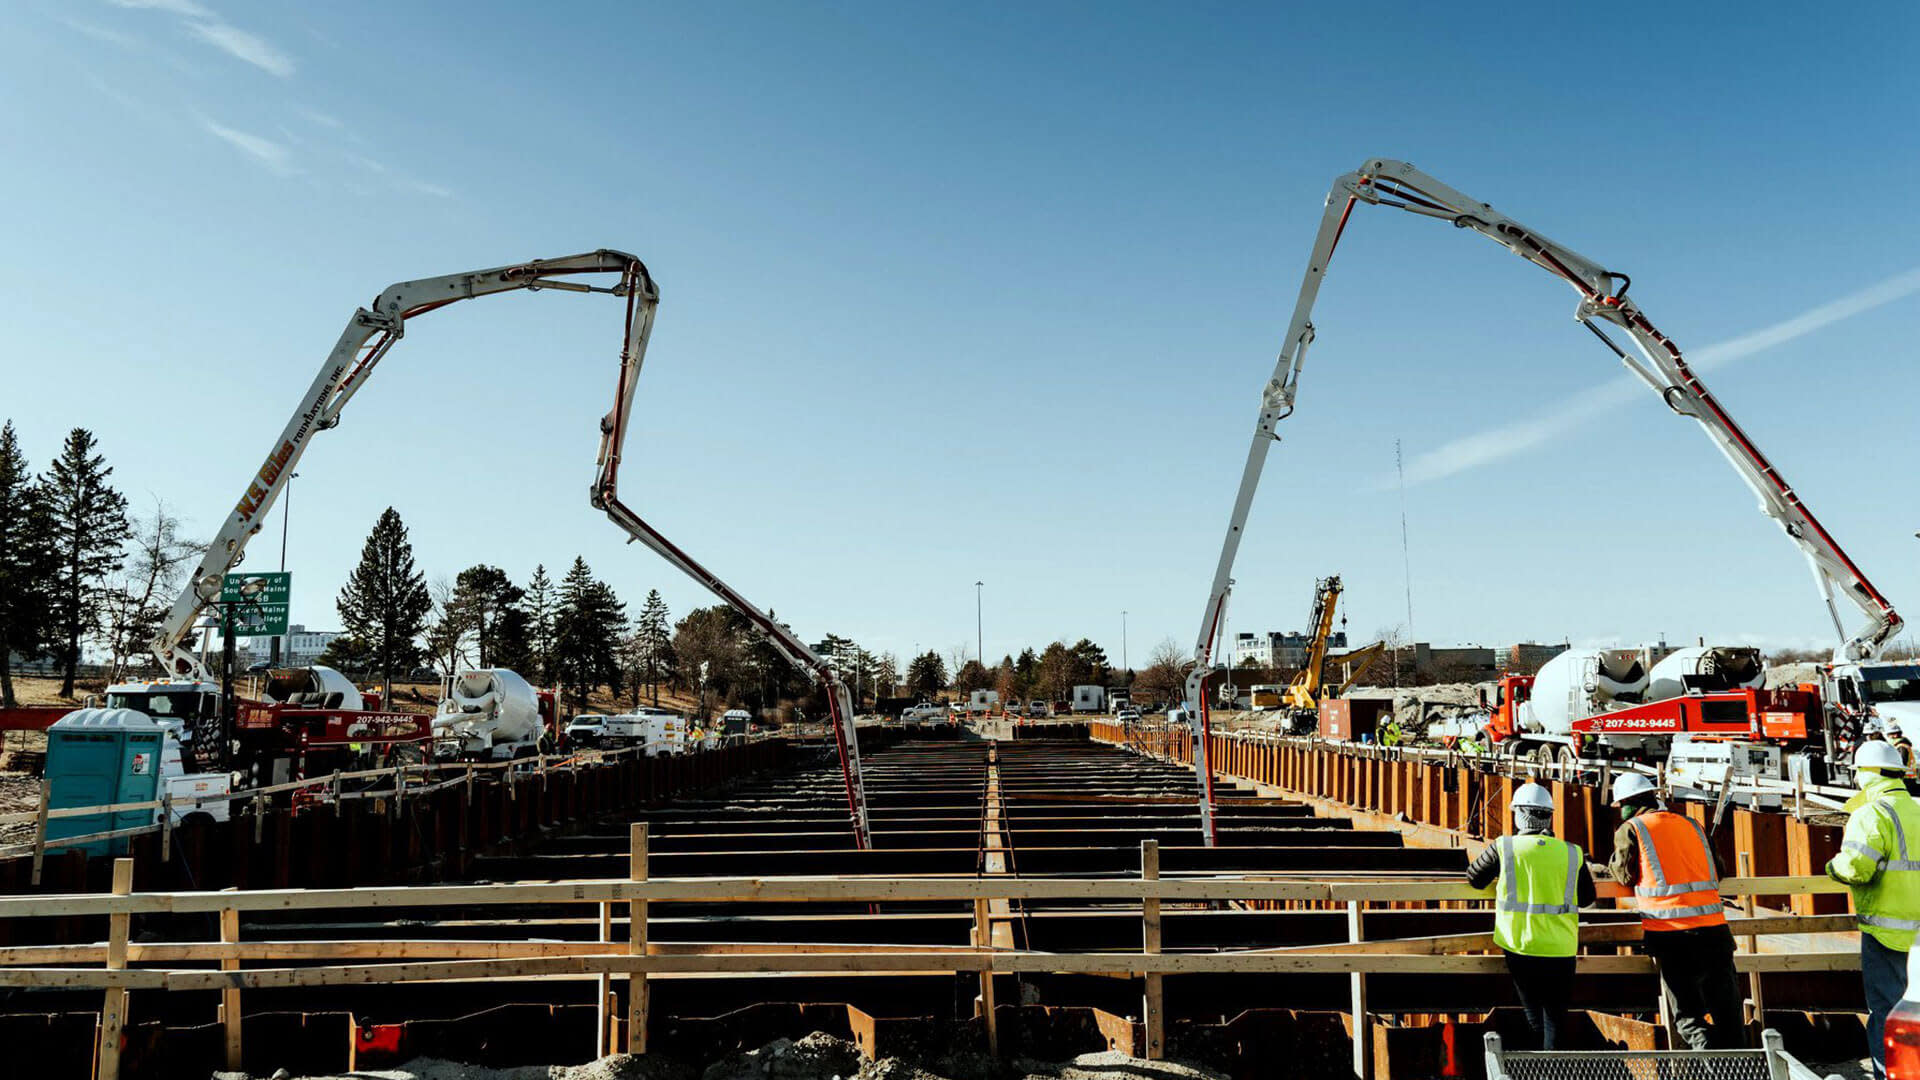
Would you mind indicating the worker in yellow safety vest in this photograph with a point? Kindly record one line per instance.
(1540, 885)
(1666, 859)
(1390, 735)
(1885, 875)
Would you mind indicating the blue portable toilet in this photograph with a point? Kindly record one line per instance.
(100, 757)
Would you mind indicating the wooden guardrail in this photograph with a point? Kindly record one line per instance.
(637, 959)
(397, 782)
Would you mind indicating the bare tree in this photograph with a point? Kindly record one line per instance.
(449, 626)
(1165, 676)
(139, 599)
(957, 657)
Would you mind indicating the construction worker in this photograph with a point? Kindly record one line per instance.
(1390, 735)
(1874, 859)
(1900, 741)
(1540, 885)
(1666, 859)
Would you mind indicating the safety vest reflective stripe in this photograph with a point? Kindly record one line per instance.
(1887, 922)
(1510, 901)
(1869, 851)
(1660, 886)
(1902, 862)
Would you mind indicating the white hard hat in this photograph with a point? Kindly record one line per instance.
(1533, 795)
(1893, 727)
(1628, 785)
(1881, 756)
(1871, 727)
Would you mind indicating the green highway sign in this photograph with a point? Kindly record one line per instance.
(257, 603)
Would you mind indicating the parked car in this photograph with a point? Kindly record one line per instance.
(1037, 709)
(587, 729)
(1128, 715)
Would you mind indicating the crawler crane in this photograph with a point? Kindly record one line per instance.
(1602, 300)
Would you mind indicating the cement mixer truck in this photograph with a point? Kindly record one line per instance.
(490, 714)
(1705, 710)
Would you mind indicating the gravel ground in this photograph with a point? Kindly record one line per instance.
(817, 1057)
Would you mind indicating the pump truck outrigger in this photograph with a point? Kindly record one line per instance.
(1603, 299)
(368, 337)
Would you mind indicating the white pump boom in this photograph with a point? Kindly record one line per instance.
(1603, 298)
(369, 334)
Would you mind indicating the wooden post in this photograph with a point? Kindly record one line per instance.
(1154, 1007)
(113, 1014)
(1747, 904)
(602, 1039)
(1362, 1035)
(40, 831)
(639, 994)
(259, 820)
(983, 937)
(399, 789)
(230, 998)
(166, 827)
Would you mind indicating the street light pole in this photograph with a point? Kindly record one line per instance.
(1123, 641)
(979, 639)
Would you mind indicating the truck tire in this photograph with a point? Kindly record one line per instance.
(196, 819)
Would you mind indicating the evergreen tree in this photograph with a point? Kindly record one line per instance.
(89, 525)
(482, 597)
(710, 654)
(926, 675)
(541, 606)
(384, 603)
(587, 631)
(886, 673)
(26, 563)
(349, 655)
(653, 645)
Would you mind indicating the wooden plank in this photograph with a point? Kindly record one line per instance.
(113, 1013)
(1357, 990)
(230, 998)
(732, 966)
(1271, 887)
(639, 1003)
(40, 833)
(1154, 1003)
(603, 1014)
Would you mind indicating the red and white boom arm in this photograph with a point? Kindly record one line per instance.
(1603, 299)
(366, 340)
(606, 496)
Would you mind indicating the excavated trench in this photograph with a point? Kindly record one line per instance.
(959, 807)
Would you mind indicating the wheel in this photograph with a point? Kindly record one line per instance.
(196, 819)
(1569, 763)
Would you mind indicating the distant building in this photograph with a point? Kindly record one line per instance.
(300, 647)
(1277, 650)
(1525, 658)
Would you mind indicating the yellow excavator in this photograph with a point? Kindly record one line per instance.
(1305, 691)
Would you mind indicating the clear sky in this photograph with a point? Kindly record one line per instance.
(965, 292)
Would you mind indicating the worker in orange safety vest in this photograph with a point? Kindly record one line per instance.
(1666, 859)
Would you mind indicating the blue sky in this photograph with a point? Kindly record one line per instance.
(957, 293)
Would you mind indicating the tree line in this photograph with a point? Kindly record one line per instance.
(76, 567)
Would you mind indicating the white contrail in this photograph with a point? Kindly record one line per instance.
(1494, 444)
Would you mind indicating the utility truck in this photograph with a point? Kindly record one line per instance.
(659, 731)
